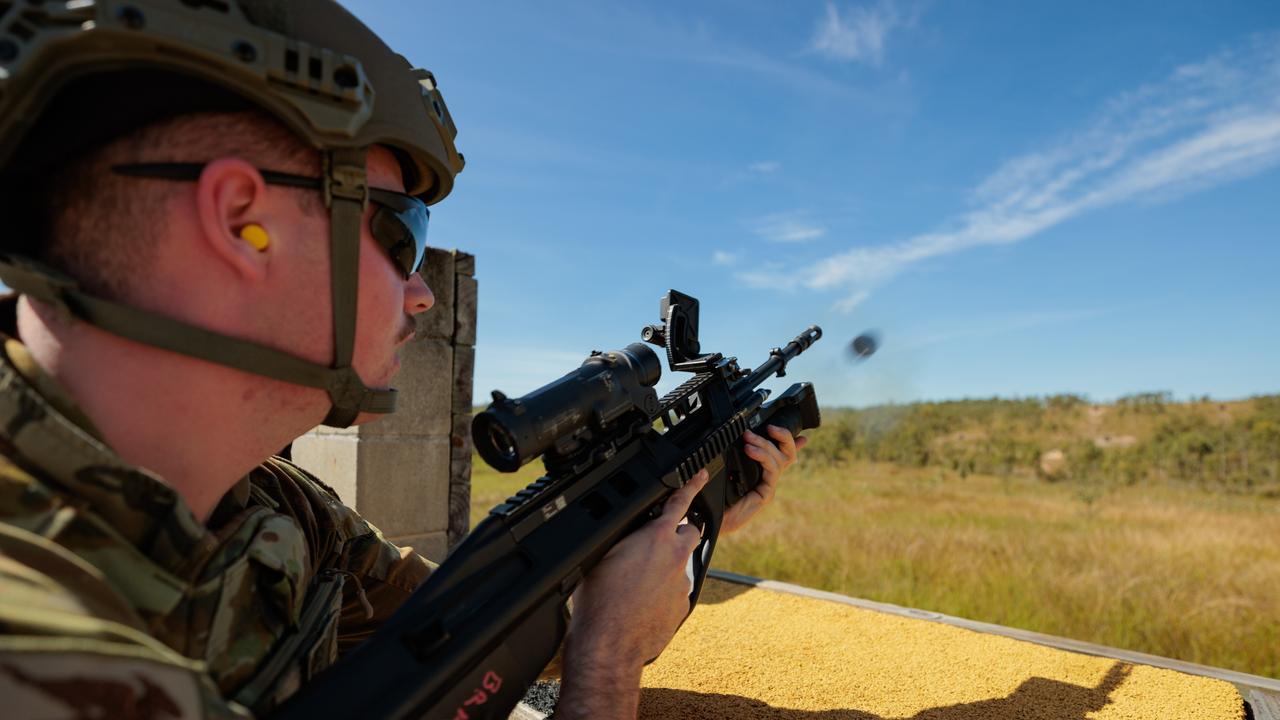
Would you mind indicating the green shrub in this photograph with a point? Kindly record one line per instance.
(1195, 443)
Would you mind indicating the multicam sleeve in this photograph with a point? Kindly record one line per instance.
(102, 680)
(383, 576)
(380, 574)
(67, 650)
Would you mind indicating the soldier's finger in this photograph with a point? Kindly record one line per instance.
(770, 458)
(677, 506)
(783, 444)
(692, 535)
(752, 440)
(786, 443)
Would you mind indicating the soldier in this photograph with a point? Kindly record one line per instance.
(190, 188)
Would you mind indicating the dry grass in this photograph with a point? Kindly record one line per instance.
(1173, 571)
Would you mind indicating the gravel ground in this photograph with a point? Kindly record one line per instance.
(749, 653)
(753, 653)
(542, 696)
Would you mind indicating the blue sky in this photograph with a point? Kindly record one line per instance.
(1022, 198)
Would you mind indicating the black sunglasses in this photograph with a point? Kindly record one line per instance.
(399, 223)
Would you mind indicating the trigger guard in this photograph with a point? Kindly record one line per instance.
(696, 519)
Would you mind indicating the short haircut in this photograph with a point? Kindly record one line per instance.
(103, 229)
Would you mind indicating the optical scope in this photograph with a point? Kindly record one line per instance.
(563, 416)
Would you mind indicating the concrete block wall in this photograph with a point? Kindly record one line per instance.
(410, 473)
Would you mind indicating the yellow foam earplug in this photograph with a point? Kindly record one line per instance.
(255, 235)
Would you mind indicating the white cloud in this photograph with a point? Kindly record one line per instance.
(787, 228)
(856, 35)
(753, 172)
(767, 275)
(655, 34)
(992, 326)
(848, 304)
(1205, 124)
(720, 257)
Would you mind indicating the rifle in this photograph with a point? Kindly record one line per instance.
(469, 642)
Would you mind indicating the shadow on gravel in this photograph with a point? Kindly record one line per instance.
(1035, 698)
(716, 591)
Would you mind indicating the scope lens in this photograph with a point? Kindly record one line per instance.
(501, 441)
(495, 443)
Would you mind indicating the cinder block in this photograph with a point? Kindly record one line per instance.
(465, 294)
(464, 371)
(438, 272)
(460, 468)
(464, 263)
(402, 484)
(460, 437)
(432, 546)
(424, 405)
(460, 504)
(325, 430)
(460, 479)
(332, 458)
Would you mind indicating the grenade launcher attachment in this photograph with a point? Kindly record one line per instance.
(476, 634)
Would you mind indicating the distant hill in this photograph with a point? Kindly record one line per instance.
(1140, 438)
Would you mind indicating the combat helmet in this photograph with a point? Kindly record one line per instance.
(308, 63)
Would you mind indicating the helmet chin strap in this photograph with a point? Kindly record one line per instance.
(346, 193)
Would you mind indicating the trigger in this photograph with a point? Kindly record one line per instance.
(695, 519)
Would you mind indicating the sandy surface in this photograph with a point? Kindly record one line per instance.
(754, 653)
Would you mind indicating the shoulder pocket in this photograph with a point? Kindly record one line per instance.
(304, 651)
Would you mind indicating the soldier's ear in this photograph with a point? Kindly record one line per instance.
(234, 218)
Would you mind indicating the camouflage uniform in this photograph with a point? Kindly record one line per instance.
(116, 602)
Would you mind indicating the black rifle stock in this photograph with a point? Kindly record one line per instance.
(476, 634)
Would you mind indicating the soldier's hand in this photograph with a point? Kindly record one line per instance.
(774, 460)
(627, 610)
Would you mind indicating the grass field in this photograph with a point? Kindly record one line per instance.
(1172, 570)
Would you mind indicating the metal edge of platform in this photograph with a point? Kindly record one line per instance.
(524, 712)
(1266, 706)
(1262, 693)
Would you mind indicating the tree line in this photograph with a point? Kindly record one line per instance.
(1139, 438)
